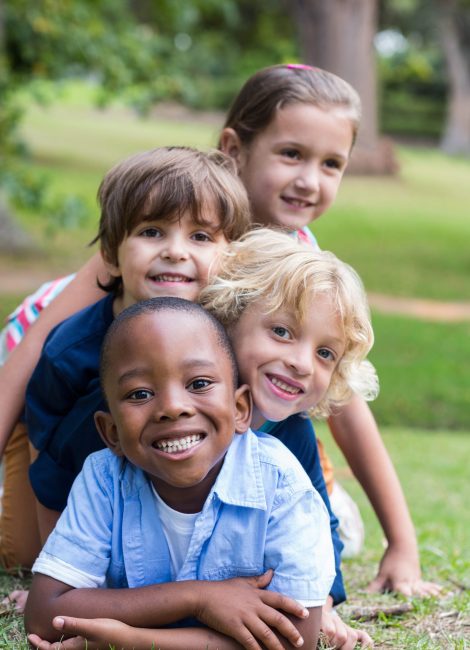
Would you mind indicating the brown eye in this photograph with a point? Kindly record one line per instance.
(140, 395)
(199, 384)
(151, 232)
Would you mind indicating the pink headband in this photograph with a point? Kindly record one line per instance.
(300, 66)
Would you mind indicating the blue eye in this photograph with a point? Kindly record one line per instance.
(140, 395)
(282, 332)
(199, 384)
(324, 353)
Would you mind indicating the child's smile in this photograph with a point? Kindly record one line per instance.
(287, 364)
(164, 257)
(173, 410)
(293, 168)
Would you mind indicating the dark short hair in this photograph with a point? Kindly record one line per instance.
(277, 86)
(153, 305)
(166, 183)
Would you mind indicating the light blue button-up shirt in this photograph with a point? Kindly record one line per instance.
(262, 512)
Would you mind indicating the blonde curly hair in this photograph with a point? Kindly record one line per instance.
(273, 267)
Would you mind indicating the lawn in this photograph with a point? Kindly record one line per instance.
(407, 236)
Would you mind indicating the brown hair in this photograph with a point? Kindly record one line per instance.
(165, 183)
(279, 85)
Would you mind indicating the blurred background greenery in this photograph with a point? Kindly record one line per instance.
(85, 83)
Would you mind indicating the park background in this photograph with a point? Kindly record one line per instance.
(84, 84)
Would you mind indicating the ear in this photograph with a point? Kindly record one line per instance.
(230, 144)
(107, 429)
(243, 408)
(111, 267)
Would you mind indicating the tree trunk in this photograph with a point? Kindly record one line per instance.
(454, 29)
(337, 35)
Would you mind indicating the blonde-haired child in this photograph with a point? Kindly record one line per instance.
(271, 273)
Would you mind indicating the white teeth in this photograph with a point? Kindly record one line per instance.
(286, 387)
(298, 202)
(171, 278)
(179, 444)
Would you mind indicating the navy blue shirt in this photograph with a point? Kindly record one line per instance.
(298, 435)
(62, 396)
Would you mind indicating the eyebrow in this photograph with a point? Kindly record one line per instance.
(299, 145)
(188, 364)
(198, 363)
(131, 374)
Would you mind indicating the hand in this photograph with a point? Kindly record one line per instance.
(87, 634)
(240, 608)
(339, 635)
(400, 572)
(17, 599)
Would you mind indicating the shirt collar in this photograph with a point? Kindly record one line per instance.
(240, 480)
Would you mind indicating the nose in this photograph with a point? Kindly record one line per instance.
(308, 178)
(172, 404)
(300, 360)
(174, 248)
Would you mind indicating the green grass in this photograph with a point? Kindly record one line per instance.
(406, 235)
(423, 378)
(433, 469)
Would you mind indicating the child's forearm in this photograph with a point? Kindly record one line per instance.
(16, 372)
(202, 638)
(238, 608)
(152, 606)
(356, 433)
(103, 632)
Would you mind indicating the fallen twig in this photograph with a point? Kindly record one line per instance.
(373, 613)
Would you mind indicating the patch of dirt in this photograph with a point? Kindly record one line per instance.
(430, 310)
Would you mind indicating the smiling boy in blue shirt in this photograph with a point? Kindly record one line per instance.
(184, 503)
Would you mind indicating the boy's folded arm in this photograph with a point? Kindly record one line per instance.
(237, 608)
(149, 606)
(82, 633)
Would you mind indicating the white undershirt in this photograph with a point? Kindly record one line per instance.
(178, 529)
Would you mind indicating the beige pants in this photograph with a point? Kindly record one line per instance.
(19, 532)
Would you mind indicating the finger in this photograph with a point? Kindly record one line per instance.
(288, 605)
(426, 589)
(402, 587)
(263, 633)
(16, 598)
(83, 631)
(377, 585)
(275, 620)
(38, 644)
(246, 639)
(328, 627)
(364, 639)
(351, 640)
(262, 581)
